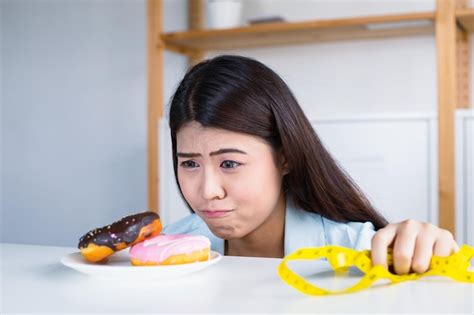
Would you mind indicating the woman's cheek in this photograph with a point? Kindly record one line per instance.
(244, 185)
(188, 188)
(248, 194)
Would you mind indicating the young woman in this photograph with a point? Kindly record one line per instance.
(259, 182)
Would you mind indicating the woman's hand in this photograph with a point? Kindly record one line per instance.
(414, 243)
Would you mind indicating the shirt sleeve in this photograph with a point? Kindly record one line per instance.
(355, 235)
(361, 234)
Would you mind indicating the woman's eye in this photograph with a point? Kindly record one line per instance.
(229, 164)
(189, 164)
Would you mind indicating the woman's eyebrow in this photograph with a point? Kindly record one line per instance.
(228, 150)
(220, 151)
(187, 155)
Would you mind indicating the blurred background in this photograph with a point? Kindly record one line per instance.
(74, 111)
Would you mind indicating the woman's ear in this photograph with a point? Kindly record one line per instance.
(284, 163)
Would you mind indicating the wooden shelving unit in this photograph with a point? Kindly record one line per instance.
(450, 23)
(465, 17)
(273, 34)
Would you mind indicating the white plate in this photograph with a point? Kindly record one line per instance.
(118, 266)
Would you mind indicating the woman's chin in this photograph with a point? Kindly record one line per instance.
(224, 232)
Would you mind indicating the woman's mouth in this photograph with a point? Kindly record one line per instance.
(216, 213)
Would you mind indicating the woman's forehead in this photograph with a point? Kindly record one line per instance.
(195, 137)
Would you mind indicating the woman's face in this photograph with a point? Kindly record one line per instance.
(231, 180)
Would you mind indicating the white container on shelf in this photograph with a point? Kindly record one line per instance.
(224, 13)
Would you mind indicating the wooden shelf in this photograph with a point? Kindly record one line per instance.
(465, 18)
(272, 34)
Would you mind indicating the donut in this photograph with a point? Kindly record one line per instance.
(171, 250)
(98, 244)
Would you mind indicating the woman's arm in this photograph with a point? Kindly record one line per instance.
(414, 243)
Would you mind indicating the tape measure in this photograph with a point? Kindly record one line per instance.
(341, 259)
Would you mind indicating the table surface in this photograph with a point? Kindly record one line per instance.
(34, 280)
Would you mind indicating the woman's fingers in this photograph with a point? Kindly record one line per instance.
(445, 244)
(414, 243)
(423, 252)
(404, 246)
(380, 243)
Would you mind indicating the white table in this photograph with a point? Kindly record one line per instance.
(33, 280)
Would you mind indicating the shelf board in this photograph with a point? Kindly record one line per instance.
(465, 17)
(273, 34)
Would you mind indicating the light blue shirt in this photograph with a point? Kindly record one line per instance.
(302, 229)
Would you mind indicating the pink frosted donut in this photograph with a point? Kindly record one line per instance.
(170, 250)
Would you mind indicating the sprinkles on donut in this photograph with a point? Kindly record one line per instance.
(98, 244)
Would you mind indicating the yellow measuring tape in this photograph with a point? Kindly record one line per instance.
(342, 258)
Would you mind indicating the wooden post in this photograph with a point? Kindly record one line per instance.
(447, 99)
(463, 62)
(463, 65)
(196, 21)
(155, 96)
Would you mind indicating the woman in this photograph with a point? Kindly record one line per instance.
(259, 182)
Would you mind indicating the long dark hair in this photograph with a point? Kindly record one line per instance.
(243, 95)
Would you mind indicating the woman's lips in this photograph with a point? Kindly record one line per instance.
(216, 213)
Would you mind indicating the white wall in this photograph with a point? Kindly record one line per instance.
(74, 115)
(395, 74)
(1, 119)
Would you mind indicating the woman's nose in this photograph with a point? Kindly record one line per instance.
(212, 186)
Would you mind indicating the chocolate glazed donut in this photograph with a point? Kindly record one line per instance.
(98, 244)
